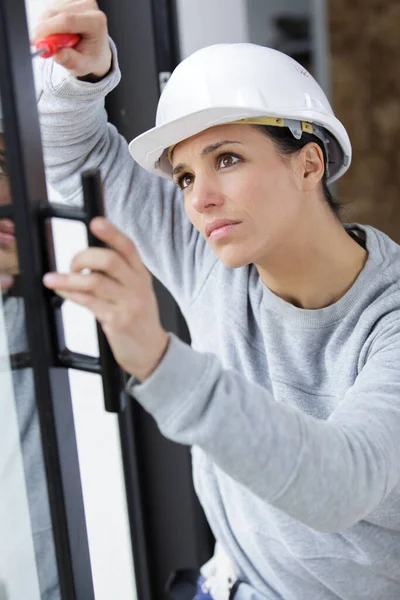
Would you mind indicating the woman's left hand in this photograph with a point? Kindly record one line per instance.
(119, 292)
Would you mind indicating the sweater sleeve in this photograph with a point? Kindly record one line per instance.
(326, 474)
(76, 136)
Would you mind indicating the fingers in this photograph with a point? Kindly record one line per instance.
(71, 59)
(113, 270)
(89, 24)
(99, 307)
(63, 6)
(95, 285)
(118, 241)
(107, 262)
(54, 20)
(6, 282)
(92, 54)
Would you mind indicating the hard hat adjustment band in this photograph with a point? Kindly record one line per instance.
(295, 126)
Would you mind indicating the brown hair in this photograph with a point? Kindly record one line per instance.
(286, 143)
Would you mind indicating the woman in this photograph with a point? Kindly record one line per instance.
(290, 392)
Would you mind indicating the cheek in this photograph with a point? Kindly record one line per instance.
(255, 186)
(275, 195)
(257, 197)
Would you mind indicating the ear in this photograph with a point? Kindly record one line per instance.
(312, 164)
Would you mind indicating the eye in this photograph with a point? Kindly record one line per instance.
(227, 160)
(184, 181)
(3, 169)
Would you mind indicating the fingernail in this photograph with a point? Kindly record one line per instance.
(101, 224)
(49, 279)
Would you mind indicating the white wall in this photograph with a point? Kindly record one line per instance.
(34, 8)
(205, 22)
(261, 13)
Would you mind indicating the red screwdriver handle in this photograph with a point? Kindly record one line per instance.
(54, 43)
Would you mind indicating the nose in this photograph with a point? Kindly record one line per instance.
(205, 194)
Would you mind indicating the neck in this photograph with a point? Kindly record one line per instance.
(316, 265)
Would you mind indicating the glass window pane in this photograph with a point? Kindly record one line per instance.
(27, 556)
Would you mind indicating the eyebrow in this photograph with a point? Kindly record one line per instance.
(206, 150)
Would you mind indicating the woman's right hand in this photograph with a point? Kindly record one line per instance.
(92, 56)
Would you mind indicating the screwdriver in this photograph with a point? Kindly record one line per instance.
(51, 44)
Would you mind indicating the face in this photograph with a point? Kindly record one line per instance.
(233, 178)
(8, 249)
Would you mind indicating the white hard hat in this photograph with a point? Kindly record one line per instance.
(227, 83)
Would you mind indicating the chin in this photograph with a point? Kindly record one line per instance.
(233, 260)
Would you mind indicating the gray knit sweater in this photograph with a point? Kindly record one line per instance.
(293, 415)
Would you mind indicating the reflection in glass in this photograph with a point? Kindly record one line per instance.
(27, 558)
(8, 250)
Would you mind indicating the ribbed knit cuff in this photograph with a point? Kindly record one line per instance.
(173, 383)
(63, 83)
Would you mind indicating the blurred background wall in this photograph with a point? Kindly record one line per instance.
(353, 49)
(365, 84)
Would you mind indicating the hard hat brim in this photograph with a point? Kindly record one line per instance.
(150, 149)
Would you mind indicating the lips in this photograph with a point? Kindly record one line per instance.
(210, 227)
(7, 232)
(7, 226)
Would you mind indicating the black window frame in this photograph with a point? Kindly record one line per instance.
(51, 384)
(168, 527)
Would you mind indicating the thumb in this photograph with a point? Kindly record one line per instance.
(68, 58)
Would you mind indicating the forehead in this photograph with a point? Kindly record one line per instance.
(234, 132)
